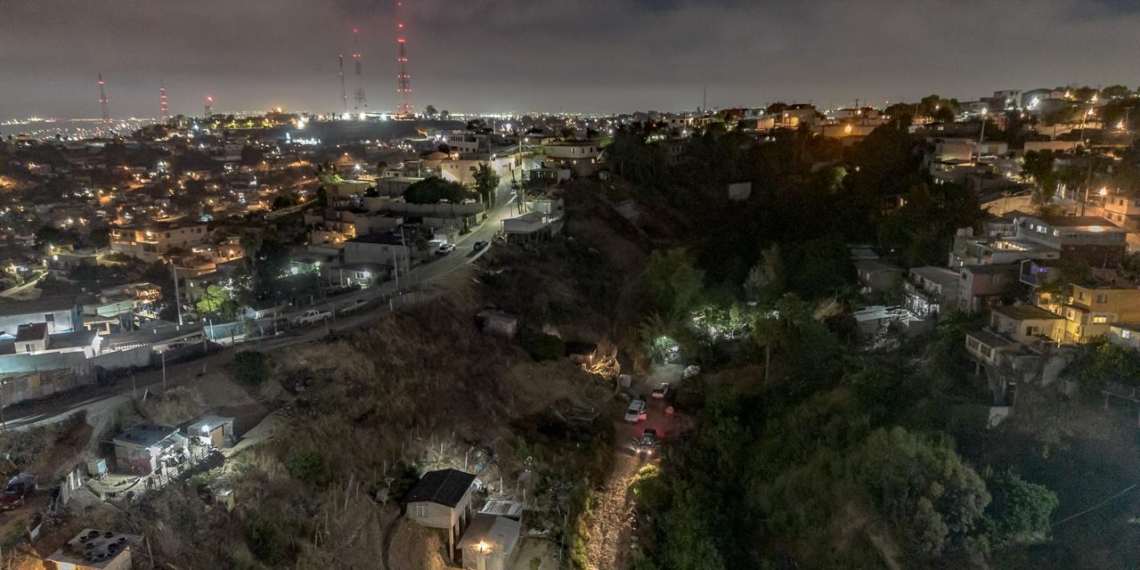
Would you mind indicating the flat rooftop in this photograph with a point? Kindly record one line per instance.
(1025, 312)
(940, 275)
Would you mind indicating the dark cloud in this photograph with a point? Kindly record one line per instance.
(551, 54)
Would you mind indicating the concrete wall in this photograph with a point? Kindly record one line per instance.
(436, 210)
(135, 357)
(29, 386)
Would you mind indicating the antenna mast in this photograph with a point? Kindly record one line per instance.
(162, 105)
(103, 101)
(404, 81)
(343, 92)
(361, 100)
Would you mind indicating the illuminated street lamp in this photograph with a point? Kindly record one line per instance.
(483, 549)
(1104, 191)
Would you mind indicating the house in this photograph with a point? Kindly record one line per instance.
(877, 276)
(987, 347)
(1091, 309)
(930, 290)
(388, 248)
(971, 250)
(94, 549)
(1125, 335)
(31, 338)
(490, 542)
(60, 313)
(579, 156)
(217, 431)
(977, 284)
(531, 225)
(151, 243)
(1094, 240)
(442, 499)
(144, 447)
(1025, 324)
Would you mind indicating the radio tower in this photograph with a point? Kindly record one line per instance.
(361, 100)
(343, 92)
(209, 106)
(103, 101)
(162, 104)
(404, 81)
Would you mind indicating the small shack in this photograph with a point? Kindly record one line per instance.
(490, 542)
(216, 431)
(497, 323)
(93, 550)
(442, 499)
(142, 448)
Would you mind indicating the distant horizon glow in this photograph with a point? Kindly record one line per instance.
(589, 56)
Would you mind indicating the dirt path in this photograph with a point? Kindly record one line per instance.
(609, 525)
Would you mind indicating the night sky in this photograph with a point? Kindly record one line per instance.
(551, 55)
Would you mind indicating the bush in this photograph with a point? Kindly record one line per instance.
(251, 368)
(308, 467)
(266, 542)
(543, 346)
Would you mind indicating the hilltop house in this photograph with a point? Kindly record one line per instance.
(442, 499)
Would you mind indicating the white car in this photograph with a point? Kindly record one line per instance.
(636, 411)
(445, 248)
(312, 316)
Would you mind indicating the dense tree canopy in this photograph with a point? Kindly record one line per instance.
(434, 190)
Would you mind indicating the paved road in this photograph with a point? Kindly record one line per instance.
(101, 401)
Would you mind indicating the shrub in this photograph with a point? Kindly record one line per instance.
(543, 346)
(251, 368)
(266, 542)
(308, 467)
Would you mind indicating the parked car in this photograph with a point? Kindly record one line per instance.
(312, 316)
(17, 491)
(353, 306)
(647, 442)
(479, 245)
(636, 411)
(661, 391)
(445, 248)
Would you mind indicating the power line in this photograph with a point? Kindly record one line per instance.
(1094, 507)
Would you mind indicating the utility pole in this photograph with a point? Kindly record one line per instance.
(163, 354)
(177, 296)
(396, 268)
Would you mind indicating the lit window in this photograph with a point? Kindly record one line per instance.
(1125, 333)
(1100, 320)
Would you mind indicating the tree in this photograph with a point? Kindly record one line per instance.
(1038, 165)
(944, 115)
(671, 281)
(765, 281)
(445, 115)
(285, 201)
(322, 198)
(486, 182)
(217, 300)
(1020, 510)
(430, 112)
(928, 496)
(1097, 364)
(433, 190)
(1116, 92)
